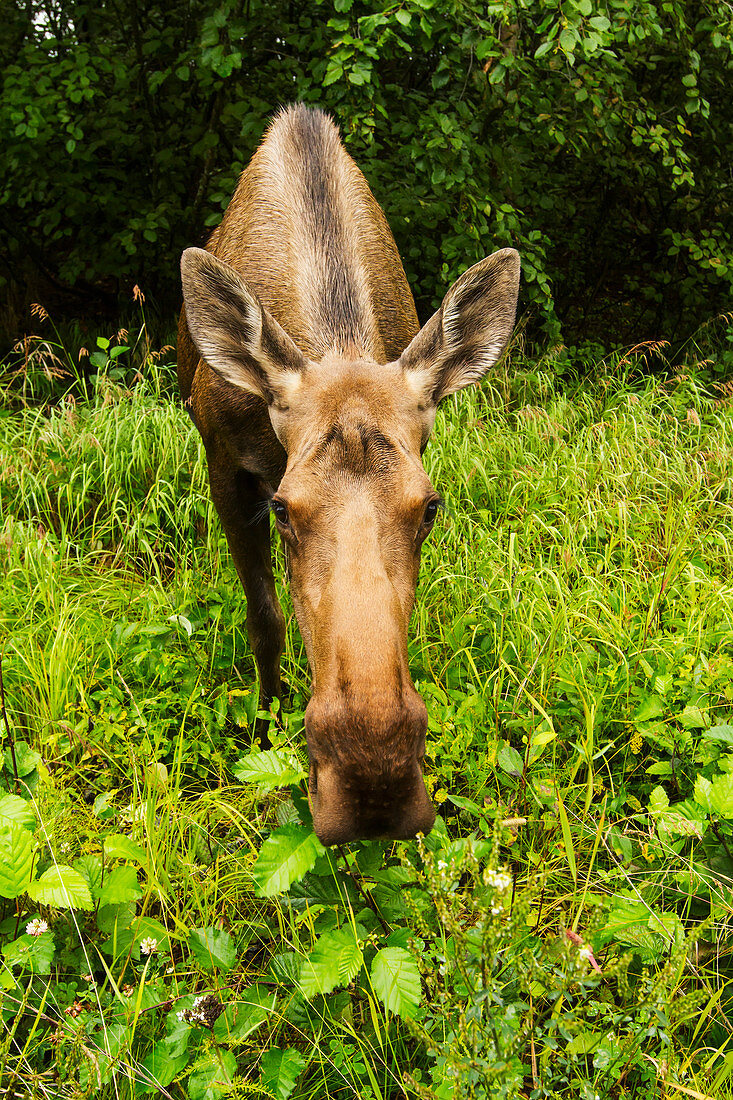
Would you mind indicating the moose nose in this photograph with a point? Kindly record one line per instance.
(351, 805)
(365, 750)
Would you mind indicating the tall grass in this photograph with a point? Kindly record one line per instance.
(573, 637)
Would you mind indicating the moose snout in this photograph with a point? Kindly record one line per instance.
(366, 778)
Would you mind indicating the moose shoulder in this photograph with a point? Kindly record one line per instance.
(301, 362)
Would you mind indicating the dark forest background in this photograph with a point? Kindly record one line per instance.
(594, 137)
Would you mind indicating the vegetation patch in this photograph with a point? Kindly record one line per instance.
(169, 923)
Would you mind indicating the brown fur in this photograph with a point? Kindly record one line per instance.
(317, 389)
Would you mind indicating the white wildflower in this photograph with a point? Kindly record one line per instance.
(500, 880)
(36, 927)
(148, 946)
(585, 953)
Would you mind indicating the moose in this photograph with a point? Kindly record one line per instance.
(304, 369)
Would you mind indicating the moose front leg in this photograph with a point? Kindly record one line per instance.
(241, 503)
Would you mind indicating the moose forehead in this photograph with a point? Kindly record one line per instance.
(361, 417)
(356, 447)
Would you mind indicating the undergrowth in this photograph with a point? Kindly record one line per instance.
(170, 923)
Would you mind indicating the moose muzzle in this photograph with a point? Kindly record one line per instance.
(366, 778)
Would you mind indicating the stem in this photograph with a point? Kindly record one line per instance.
(367, 897)
(721, 838)
(11, 739)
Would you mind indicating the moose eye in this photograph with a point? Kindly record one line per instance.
(431, 511)
(280, 512)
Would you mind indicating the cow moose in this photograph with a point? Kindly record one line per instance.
(302, 364)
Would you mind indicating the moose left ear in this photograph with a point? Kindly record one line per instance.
(468, 333)
(236, 336)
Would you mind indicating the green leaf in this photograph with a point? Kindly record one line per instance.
(396, 981)
(509, 759)
(287, 855)
(542, 49)
(662, 767)
(16, 861)
(16, 811)
(130, 933)
(717, 796)
(62, 887)
(334, 960)
(33, 953)
(269, 770)
(568, 40)
(111, 919)
(658, 801)
(652, 706)
(334, 72)
(280, 1071)
(26, 759)
(102, 807)
(119, 846)
(692, 718)
(91, 868)
(628, 924)
(165, 1060)
(723, 732)
(213, 948)
(212, 1077)
(120, 885)
(241, 1017)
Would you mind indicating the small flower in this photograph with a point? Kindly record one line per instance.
(148, 946)
(36, 927)
(500, 880)
(128, 990)
(585, 953)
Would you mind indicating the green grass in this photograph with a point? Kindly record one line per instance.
(573, 637)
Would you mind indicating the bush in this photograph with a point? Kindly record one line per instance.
(589, 137)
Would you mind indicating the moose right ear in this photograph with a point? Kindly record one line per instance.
(233, 332)
(468, 333)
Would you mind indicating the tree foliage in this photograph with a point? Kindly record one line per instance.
(595, 138)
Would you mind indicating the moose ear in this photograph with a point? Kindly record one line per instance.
(234, 334)
(468, 333)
